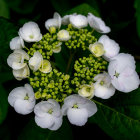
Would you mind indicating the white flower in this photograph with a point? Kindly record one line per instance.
(78, 109)
(16, 43)
(86, 91)
(16, 59)
(57, 48)
(122, 71)
(110, 46)
(22, 99)
(63, 35)
(30, 32)
(103, 86)
(53, 22)
(35, 61)
(22, 73)
(98, 24)
(45, 67)
(48, 114)
(78, 21)
(97, 49)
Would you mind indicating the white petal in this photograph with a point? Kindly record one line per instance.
(63, 35)
(16, 43)
(126, 83)
(30, 32)
(110, 46)
(77, 116)
(21, 73)
(98, 24)
(65, 20)
(35, 61)
(45, 122)
(57, 123)
(54, 22)
(104, 92)
(23, 106)
(78, 21)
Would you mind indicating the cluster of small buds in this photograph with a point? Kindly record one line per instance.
(54, 85)
(86, 69)
(46, 46)
(79, 38)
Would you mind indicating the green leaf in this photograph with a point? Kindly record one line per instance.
(4, 10)
(120, 116)
(33, 132)
(137, 14)
(22, 6)
(3, 104)
(83, 9)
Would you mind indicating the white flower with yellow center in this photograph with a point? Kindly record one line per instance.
(86, 91)
(78, 21)
(122, 71)
(48, 114)
(35, 61)
(22, 73)
(54, 22)
(16, 59)
(63, 35)
(22, 99)
(78, 109)
(57, 48)
(103, 86)
(45, 67)
(110, 46)
(16, 43)
(97, 49)
(97, 24)
(30, 32)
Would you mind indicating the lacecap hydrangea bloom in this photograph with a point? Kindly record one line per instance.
(52, 94)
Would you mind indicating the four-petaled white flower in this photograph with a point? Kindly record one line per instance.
(78, 109)
(48, 114)
(110, 46)
(16, 43)
(103, 86)
(78, 21)
(30, 32)
(53, 22)
(63, 35)
(97, 24)
(22, 99)
(97, 49)
(16, 59)
(86, 91)
(122, 71)
(35, 61)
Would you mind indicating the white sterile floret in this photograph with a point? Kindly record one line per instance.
(86, 91)
(103, 86)
(22, 73)
(97, 24)
(22, 99)
(57, 48)
(48, 114)
(30, 32)
(35, 61)
(110, 46)
(97, 49)
(45, 66)
(122, 71)
(78, 21)
(16, 43)
(16, 59)
(78, 109)
(53, 22)
(63, 35)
